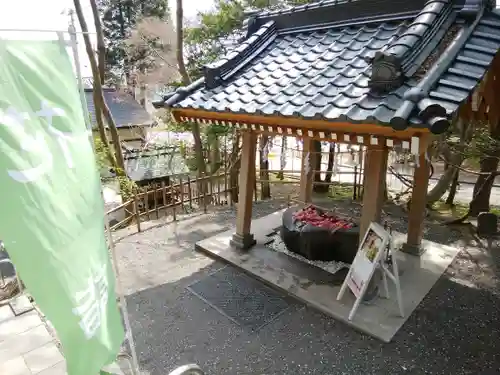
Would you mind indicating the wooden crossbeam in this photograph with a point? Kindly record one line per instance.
(328, 136)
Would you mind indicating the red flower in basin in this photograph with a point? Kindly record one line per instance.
(311, 215)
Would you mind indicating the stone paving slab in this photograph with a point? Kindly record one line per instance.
(26, 346)
(58, 369)
(380, 319)
(43, 358)
(455, 329)
(15, 366)
(17, 325)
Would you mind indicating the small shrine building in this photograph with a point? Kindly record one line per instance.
(379, 73)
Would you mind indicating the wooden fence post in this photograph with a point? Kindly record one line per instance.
(218, 188)
(137, 213)
(190, 195)
(255, 195)
(146, 202)
(210, 188)
(155, 192)
(181, 191)
(164, 196)
(204, 183)
(173, 201)
(225, 186)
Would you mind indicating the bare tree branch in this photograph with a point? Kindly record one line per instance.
(155, 39)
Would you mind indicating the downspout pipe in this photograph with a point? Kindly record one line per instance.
(434, 115)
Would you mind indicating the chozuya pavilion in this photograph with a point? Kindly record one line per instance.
(381, 73)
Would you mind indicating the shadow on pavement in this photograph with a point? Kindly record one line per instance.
(454, 330)
(456, 327)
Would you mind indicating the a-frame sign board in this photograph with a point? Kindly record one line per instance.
(369, 258)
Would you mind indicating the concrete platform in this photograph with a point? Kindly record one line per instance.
(319, 288)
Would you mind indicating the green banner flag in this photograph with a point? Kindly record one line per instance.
(52, 212)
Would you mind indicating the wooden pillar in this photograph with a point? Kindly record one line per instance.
(373, 195)
(417, 207)
(243, 239)
(306, 174)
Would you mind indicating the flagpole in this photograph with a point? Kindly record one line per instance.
(123, 302)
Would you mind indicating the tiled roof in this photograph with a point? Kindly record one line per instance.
(154, 164)
(126, 111)
(371, 61)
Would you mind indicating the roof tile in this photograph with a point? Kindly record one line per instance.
(125, 110)
(327, 72)
(154, 164)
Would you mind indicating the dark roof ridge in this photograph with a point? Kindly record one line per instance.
(327, 12)
(301, 8)
(406, 55)
(357, 21)
(226, 67)
(435, 115)
(216, 72)
(414, 59)
(470, 8)
(403, 57)
(259, 36)
(105, 89)
(419, 33)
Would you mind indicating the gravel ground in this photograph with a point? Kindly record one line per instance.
(454, 331)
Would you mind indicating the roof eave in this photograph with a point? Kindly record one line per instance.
(435, 116)
(350, 125)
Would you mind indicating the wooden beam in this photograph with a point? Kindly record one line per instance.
(373, 193)
(416, 215)
(341, 137)
(294, 122)
(306, 173)
(243, 239)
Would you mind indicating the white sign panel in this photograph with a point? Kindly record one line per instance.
(365, 262)
(369, 257)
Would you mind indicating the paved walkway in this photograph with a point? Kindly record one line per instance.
(26, 346)
(455, 327)
(172, 326)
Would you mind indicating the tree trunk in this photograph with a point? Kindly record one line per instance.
(101, 46)
(115, 137)
(453, 189)
(234, 169)
(444, 182)
(143, 93)
(360, 185)
(95, 73)
(452, 161)
(331, 162)
(281, 174)
(482, 188)
(186, 80)
(265, 188)
(180, 43)
(101, 105)
(316, 158)
(214, 152)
